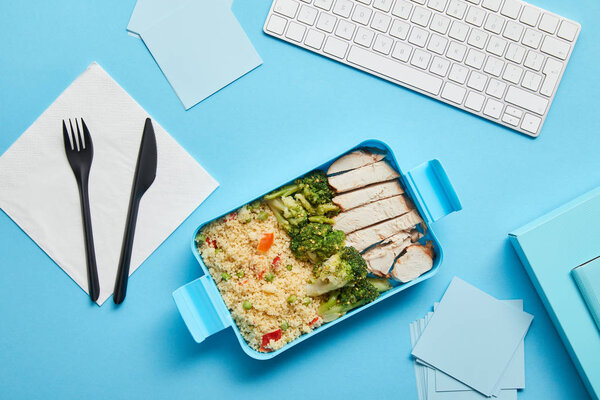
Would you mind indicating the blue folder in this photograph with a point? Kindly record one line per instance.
(549, 248)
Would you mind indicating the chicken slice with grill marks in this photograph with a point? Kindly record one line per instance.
(357, 178)
(372, 213)
(369, 194)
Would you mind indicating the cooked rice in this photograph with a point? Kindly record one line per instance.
(236, 253)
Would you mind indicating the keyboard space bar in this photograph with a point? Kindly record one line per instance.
(395, 70)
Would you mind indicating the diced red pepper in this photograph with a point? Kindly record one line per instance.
(275, 335)
(262, 273)
(314, 321)
(266, 241)
(231, 216)
(243, 282)
(211, 243)
(276, 260)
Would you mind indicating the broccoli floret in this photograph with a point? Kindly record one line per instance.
(381, 284)
(316, 242)
(347, 298)
(341, 269)
(289, 213)
(315, 187)
(283, 191)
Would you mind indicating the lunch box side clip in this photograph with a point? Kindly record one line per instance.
(205, 313)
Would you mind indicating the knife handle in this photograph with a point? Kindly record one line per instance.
(125, 260)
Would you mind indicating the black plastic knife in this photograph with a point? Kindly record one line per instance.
(145, 173)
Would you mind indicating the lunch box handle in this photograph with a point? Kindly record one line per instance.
(433, 190)
(202, 308)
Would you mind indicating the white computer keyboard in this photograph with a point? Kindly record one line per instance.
(499, 59)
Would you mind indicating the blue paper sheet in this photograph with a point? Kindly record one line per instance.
(201, 48)
(472, 337)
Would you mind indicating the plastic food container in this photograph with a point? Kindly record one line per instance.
(205, 313)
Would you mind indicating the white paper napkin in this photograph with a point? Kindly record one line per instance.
(39, 192)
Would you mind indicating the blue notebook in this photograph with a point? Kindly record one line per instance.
(549, 248)
(587, 278)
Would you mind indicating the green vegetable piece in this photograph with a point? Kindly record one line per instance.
(200, 239)
(315, 187)
(262, 216)
(283, 191)
(291, 299)
(240, 274)
(341, 269)
(321, 219)
(247, 305)
(269, 277)
(347, 298)
(288, 267)
(317, 242)
(381, 284)
(225, 276)
(284, 326)
(306, 301)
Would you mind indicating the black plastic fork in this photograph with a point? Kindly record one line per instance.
(80, 152)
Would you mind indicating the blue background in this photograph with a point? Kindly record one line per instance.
(261, 130)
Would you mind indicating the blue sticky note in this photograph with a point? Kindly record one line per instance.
(200, 48)
(472, 337)
(147, 13)
(513, 378)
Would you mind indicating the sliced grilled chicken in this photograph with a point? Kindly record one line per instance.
(356, 159)
(361, 239)
(369, 194)
(380, 258)
(372, 213)
(380, 171)
(413, 263)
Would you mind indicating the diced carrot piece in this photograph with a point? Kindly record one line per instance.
(266, 241)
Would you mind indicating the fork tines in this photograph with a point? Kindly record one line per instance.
(76, 142)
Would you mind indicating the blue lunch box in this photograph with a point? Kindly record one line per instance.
(203, 309)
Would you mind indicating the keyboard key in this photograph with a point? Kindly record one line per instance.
(402, 9)
(458, 73)
(493, 66)
(440, 24)
(438, 5)
(555, 47)
(383, 5)
(314, 39)
(335, 47)
(437, 44)
(343, 8)
(361, 14)
(496, 88)
(475, 59)
(494, 23)
(512, 73)
(552, 71)
(567, 31)
(381, 22)
(527, 100)
(345, 29)
(513, 31)
(420, 59)
(475, 101)
(459, 31)
(515, 53)
(457, 9)
(515, 112)
(509, 119)
(295, 31)
(493, 5)
(496, 46)
(477, 38)
(439, 66)
(531, 81)
(326, 22)
(456, 51)
(454, 93)
(511, 9)
(276, 24)
(308, 15)
(421, 16)
(549, 23)
(395, 70)
(399, 29)
(383, 44)
(493, 108)
(418, 37)
(324, 4)
(532, 38)
(530, 15)
(477, 81)
(286, 7)
(364, 37)
(402, 51)
(534, 60)
(475, 16)
(531, 123)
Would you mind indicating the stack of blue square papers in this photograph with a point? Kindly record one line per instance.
(471, 346)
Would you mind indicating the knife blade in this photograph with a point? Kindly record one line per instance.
(144, 176)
